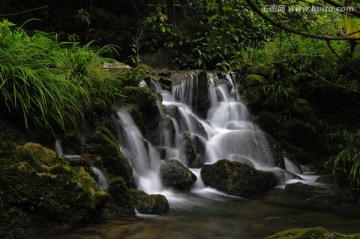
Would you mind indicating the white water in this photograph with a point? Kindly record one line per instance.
(226, 132)
(103, 183)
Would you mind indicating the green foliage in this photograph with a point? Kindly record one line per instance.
(46, 83)
(347, 164)
(203, 34)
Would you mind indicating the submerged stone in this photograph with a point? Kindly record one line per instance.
(237, 178)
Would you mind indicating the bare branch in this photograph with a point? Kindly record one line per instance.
(282, 26)
(22, 12)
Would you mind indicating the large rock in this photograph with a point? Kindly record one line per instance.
(194, 150)
(145, 111)
(311, 233)
(149, 204)
(41, 190)
(236, 178)
(175, 174)
(120, 204)
(103, 143)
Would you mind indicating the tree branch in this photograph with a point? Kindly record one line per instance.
(22, 12)
(280, 25)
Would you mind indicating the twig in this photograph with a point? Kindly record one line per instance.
(22, 12)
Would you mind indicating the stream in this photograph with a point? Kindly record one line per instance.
(226, 218)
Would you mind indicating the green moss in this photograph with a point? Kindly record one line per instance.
(144, 99)
(40, 190)
(149, 204)
(103, 143)
(119, 193)
(311, 233)
(237, 178)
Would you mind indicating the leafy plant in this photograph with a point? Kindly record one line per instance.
(347, 163)
(49, 84)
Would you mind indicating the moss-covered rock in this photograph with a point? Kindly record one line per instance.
(143, 98)
(236, 178)
(174, 174)
(40, 190)
(311, 233)
(149, 204)
(103, 143)
(120, 204)
(144, 111)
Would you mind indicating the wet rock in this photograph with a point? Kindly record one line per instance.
(147, 115)
(103, 143)
(197, 84)
(328, 179)
(276, 151)
(194, 150)
(311, 233)
(236, 178)
(169, 131)
(202, 102)
(307, 189)
(41, 190)
(174, 174)
(120, 204)
(149, 203)
(166, 84)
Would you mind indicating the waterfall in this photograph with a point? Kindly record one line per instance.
(58, 147)
(103, 183)
(225, 130)
(142, 155)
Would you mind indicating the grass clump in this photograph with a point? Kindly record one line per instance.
(46, 84)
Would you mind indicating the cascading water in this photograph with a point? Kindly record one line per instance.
(227, 131)
(142, 155)
(103, 183)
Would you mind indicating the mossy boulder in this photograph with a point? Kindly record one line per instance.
(174, 174)
(311, 233)
(149, 203)
(103, 143)
(120, 204)
(41, 190)
(237, 178)
(143, 98)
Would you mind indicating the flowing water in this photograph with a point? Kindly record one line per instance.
(225, 218)
(225, 132)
